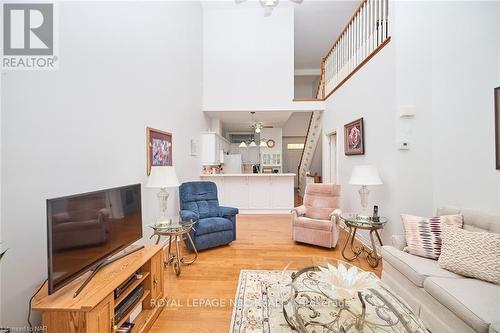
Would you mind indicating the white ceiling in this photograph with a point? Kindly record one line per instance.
(318, 23)
(241, 121)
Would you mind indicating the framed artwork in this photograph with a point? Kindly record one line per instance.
(497, 126)
(354, 138)
(159, 148)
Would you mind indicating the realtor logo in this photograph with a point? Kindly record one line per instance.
(28, 36)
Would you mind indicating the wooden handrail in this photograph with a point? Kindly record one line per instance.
(364, 35)
(364, 62)
(358, 9)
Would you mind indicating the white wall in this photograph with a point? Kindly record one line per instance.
(447, 71)
(297, 124)
(305, 86)
(82, 128)
(248, 58)
(465, 66)
(360, 97)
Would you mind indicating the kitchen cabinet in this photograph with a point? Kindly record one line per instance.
(213, 148)
(255, 193)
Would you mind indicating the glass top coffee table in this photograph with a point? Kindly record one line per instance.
(323, 302)
(175, 231)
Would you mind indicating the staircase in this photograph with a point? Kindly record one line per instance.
(313, 136)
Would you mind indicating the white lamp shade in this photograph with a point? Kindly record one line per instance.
(253, 144)
(263, 143)
(243, 144)
(365, 175)
(162, 176)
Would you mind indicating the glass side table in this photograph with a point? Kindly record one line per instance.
(354, 222)
(175, 232)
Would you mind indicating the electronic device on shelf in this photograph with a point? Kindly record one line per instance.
(86, 232)
(121, 288)
(125, 328)
(375, 217)
(123, 308)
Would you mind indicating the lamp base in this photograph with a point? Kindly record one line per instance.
(363, 196)
(163, 199)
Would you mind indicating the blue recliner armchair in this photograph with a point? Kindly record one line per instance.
(216, 225)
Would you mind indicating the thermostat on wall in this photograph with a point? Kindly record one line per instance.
(403, 145)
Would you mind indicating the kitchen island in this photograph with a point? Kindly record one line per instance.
(255, 193)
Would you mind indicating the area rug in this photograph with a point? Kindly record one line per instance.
(258, 306)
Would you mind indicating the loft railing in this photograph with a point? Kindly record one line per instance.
(367, 32)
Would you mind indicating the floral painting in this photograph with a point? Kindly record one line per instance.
(159, 148)
(354, 141)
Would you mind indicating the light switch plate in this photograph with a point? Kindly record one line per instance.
(407, 111)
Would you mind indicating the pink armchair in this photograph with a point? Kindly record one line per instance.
(316, 221)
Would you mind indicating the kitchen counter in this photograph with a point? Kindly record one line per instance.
(255, 193)
(250, 175)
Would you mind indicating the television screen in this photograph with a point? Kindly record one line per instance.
(84, 230)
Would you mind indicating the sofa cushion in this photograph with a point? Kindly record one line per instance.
(471, 253)
(321, 200)
(474, 301)
(423, 235)
(415, 268)
(212, 224)
(475, 220)
(305, 222)
(200, 198)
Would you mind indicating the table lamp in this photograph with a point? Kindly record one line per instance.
(364, 175)
(162, 177)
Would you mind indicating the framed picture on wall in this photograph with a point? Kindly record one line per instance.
(354, 138)
(159, 148)
(497, 126)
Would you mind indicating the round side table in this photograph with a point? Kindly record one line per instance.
(354, 222)
(176, 232)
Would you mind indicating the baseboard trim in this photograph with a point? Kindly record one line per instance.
(265, 211)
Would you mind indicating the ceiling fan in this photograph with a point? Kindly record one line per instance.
(269, 5)
(257, 126)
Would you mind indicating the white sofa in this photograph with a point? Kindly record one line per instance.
(446, 302)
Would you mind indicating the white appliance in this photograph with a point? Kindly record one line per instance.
(233, 163)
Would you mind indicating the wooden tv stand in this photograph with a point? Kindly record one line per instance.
(92, 311)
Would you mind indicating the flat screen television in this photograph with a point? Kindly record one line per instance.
(84, 230)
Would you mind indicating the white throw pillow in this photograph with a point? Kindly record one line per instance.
(472, 254)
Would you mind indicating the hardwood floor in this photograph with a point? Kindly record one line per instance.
(263, 243)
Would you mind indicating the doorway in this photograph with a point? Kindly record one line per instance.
(292, 152)
(332, 157)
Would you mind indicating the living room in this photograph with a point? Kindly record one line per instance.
(424, 95)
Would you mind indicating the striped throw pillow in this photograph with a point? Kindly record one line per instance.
(423, 235)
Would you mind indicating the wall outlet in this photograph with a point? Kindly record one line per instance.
(403, 145)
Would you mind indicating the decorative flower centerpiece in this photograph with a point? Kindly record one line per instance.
(345, 283)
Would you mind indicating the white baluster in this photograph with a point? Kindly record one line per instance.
(382, 20)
